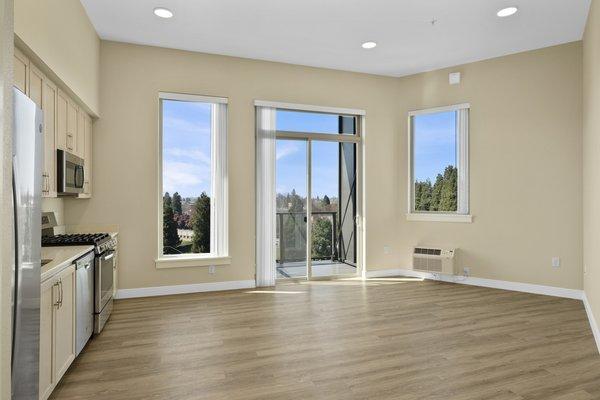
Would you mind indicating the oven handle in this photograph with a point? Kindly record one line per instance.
(108, 257)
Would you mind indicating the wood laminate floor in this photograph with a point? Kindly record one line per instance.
(380, 339)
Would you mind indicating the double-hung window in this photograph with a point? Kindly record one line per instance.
(192, 180)
(439, 164)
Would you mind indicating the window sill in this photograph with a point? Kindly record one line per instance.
(460, 218)
(165, 262)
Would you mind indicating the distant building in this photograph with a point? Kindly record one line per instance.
(185, 234)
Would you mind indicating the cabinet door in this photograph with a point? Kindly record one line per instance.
(48, 303)
(62, 105)
(49, 105)
(71, 143)
(87, 187)
(21, 71)
(80, 134)
(36, 85)
(64, 320)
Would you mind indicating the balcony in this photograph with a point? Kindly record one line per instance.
(329, 257)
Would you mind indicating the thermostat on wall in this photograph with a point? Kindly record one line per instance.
(454, 78)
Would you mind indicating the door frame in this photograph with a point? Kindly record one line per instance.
(358, 139)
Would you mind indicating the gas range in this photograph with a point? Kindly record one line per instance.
(101, 241)
(105, 247)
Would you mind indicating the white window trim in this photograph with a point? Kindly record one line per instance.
(220, 188)
(309, 108)
(462, 214)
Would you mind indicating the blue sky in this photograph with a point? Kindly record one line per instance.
(186, 149)
(434, 144)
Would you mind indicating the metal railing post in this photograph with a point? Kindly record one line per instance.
(281, 242)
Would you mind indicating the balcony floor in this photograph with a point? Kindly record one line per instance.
(320, 268)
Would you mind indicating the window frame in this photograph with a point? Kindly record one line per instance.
(462, 214)
(219, 229)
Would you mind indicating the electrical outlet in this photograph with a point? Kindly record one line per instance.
(211, 269)
(555, 262)
(467, 271)
(387, 249)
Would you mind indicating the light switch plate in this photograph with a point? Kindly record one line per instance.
(555, 262)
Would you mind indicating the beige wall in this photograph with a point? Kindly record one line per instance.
(525, 156)
(61, 34)
(525, 137)
(591, 158)
(6, 215)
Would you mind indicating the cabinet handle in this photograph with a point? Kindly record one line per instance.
(57, 304)
(61, 293)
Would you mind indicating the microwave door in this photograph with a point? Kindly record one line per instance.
(70, 173)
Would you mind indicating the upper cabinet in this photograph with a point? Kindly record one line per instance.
(87, 157)
(66, 124)
(21, 71)
(49, 106)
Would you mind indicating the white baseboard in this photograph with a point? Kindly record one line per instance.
(592, 319)
(182, 289)
(491, 283)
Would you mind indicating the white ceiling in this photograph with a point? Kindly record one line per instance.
(328, 33)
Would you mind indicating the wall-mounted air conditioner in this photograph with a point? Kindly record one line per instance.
(433, 259)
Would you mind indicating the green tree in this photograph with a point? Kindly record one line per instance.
(170, 237)
(436, 193)
(176, 202)
(201, 225)
(321, 243)
(423, 195)
(441, 196)
(448, 201)
(326, 200)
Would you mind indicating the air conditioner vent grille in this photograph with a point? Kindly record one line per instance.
(431, 252)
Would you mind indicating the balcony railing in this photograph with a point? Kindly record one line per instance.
(291, 236)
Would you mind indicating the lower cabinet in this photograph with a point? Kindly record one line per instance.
(57, 329)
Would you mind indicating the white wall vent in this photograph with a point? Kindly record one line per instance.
(434, 260)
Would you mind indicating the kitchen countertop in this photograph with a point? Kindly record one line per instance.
(62, 257)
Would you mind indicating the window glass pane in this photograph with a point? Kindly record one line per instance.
(186, 176)
(302, 121)
(434, 162)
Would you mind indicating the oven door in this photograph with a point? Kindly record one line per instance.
(104, 279)
(70, 173)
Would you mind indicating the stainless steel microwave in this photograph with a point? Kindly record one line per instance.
(69, 173)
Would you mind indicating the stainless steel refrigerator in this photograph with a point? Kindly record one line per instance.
(27, 198)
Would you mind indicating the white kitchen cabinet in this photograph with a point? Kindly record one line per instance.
(49, 103)
(72, 125)
(87, 156)
(62, 103)
(67, 126)
(48, 301)
(36, 85)
(43, 92)
(66, 123)
(21, 71)
(57, 329)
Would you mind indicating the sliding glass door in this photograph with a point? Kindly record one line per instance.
(291, 205)
(333, 199)
(316, 203)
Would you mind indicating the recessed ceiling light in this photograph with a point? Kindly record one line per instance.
(369, 45)
(507, 12)
(163, 12)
